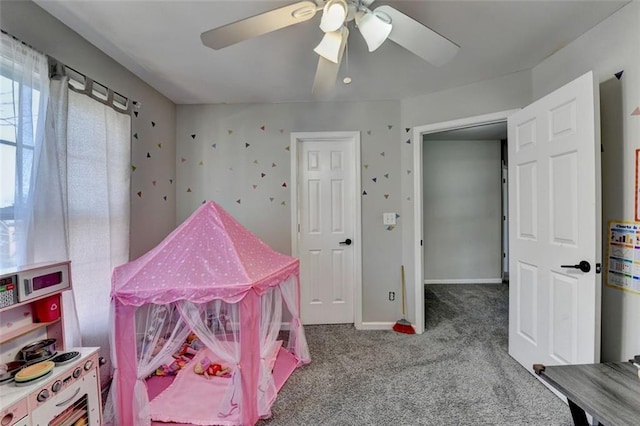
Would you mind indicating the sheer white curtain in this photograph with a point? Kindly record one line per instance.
(217, 324)
(51, 200)
(34, 117)
(164, 332)
(46, 235)
(270, 322)
(24, 87)
(297, 339)
(98, 175)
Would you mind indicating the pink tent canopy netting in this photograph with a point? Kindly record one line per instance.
(214, 280)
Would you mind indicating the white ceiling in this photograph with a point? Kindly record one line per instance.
(159, 41)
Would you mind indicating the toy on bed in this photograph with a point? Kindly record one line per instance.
(209, 369)
(190, 348)
(172, 368)
(181, 358)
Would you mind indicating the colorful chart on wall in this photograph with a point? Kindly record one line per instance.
(637, 185)
(623, 256)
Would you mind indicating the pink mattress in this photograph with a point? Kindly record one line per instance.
(285, 364)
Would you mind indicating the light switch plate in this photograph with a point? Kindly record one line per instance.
(388, 218)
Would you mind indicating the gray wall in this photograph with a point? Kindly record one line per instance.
(462, 211)
(238, 156)
(152, 216)
(610, 47)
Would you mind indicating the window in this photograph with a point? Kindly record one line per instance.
(22, 74)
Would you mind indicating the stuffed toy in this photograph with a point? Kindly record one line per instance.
(190, 347)
(171, 369)
(209, 369)
(194, 342)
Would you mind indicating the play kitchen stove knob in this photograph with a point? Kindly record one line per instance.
(77, 372)
(43, 395)
(56, 386)
(88, 365)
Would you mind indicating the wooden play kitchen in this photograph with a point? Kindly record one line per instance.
(41, 380)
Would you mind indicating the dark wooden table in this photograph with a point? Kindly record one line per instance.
(608, 391)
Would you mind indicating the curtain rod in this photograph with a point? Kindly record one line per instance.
(20, 41)
(81, 83)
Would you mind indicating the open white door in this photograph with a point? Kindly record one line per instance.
(555, 223)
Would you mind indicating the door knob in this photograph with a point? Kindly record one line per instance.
(584, 266)
(346, 242)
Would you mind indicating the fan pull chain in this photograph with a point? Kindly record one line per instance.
(346, 79)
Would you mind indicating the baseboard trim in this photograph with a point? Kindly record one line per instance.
(466, 281)
(377, 325)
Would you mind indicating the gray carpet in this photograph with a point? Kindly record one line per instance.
(457, 373)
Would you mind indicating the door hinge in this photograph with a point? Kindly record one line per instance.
(420, 243)
(598, 268)
(298, 228)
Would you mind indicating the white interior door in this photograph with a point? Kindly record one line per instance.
(328, 235)
(554, 209)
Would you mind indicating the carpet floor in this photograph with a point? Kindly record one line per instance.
(457, 373)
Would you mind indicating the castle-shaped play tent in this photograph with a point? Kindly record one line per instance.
(214, 283)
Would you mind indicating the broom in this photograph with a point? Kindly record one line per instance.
(402, 325)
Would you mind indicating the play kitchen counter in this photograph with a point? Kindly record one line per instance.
(55, 385)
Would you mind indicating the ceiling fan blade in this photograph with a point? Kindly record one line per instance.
(258, 25)
(419, 39)
(326, 75)
(327, 71)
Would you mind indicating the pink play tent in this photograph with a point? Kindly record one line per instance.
(214, 280)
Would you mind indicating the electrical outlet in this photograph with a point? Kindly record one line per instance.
(392, 296)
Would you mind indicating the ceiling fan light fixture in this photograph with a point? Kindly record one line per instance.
(332, 45)
(374, 27)
(333, 15)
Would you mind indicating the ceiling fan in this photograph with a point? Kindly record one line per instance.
(376, 26)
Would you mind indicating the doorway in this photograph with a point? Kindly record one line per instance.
(555, 194)
(326, 235)
(462, 125)
(463, 211)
